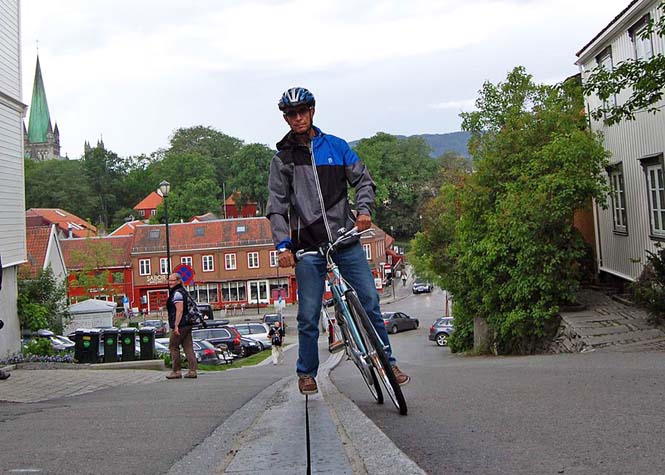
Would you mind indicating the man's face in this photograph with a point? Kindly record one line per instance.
(300, 119)
(173, 281)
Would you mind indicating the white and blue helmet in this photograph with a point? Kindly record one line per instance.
(294, 97)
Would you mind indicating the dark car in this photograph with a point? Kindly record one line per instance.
(229, 337)
(420, 287)
(206, 310)
(270, 319)
(399, 321)
(441, 330)
(160, 326)
(206, 353)
(215, 323)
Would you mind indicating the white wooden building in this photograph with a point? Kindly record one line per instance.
(634, 218)
(12, 195)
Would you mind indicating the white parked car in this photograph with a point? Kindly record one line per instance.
(255, 331)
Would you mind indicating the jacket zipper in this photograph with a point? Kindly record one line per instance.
(318, 190)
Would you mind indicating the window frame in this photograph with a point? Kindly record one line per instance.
(650, 163)
(607, 54)
(367, 248)
(163, 265)
(618, 199)
(231, 256)
(143, 268)
(635, 33)
(250, 257)
(187, 260)
(204, 266)
(273, 258)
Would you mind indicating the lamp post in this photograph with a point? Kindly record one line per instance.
(165, 188)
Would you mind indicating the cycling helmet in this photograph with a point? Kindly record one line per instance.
(294, 97)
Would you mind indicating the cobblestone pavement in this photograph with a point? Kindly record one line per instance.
(28, 385)
(610, 325)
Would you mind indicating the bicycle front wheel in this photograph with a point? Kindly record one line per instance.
(376, 353)
(354, 352)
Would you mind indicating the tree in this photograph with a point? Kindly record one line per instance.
(42, 302)
(91, 264)
(501, 239)
(645, 78)
(196, 197)
(104, 171)
(403, 172)
(248, 174)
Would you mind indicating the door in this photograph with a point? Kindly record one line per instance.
(258, 292)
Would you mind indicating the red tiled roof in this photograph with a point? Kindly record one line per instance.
(63, 219)
(203, 235)
(127, 229)
(151, 201)
(107, 252)
(37, 239)
(232, 196)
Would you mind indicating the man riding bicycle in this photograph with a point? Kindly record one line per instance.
(307, 207)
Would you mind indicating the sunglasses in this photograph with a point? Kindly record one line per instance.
(292, 114)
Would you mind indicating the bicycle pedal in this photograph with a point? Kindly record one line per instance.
(336, 346)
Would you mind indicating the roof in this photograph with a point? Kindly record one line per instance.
(204, 217)
(151, 201)
(609, 25)
(204, 235)
(127, 229)
(231, 199)
(40, 120)
(37, 241)
(63, 219)
(93, 306)
(105, 252)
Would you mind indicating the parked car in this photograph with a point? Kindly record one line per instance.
(160, 326)
(420, 287)
(228, 336)
(399, 321)
(207, 353)
(440, 330)
(271, 318)
(256, 331)
(215, 323)
(59, 343)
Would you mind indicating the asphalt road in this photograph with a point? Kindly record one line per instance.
(592, 413)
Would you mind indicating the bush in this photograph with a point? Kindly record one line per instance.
(39, 347)
(649, 289)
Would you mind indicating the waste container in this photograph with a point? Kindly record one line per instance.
(147, 343)
(86, 345)
(128, 341)
(110, 339)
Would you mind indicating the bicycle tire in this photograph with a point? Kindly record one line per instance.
(378, 357)
(373, 385)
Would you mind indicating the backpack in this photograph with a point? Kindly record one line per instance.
(193, 316)
(276, 338)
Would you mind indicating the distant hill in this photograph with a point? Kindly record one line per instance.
(441, 143)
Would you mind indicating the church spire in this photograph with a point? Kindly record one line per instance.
(39, 124)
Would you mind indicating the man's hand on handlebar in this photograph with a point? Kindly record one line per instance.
(285, 259)
(363, 222)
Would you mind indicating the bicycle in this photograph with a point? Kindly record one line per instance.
(362, 342)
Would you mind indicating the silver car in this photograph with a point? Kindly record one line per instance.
(255, 331)
(441, 330)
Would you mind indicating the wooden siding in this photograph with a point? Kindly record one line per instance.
(10, 76)
(628, 142)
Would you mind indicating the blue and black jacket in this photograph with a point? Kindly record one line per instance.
(308, 185)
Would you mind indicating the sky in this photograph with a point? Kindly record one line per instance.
(131, 72)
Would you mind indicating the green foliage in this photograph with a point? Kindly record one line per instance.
(248, 174)
(649, 289)
(39, 347)
(193, 198)
(404, 173)
(91, 263)
(42, 302)
(644, 78)
(501, 240)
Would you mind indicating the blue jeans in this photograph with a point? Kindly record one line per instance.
(310, 274)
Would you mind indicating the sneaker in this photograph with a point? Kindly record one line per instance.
(307, 385)
(336, 346)
(174, 375)
(402, 378)
(191, 375)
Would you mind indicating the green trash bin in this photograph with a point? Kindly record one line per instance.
(86, 345)
(128, 342)
(147, 343)
(110, 339)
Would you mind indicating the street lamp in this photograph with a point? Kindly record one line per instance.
(164, 188)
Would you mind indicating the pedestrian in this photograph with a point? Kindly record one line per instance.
(276, 335)
(320, 167)
(181, 333)
(403, 279)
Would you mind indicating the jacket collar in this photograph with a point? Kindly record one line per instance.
(289, 141)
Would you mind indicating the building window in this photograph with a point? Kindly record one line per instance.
(234, 291)
(253, 260)
(152, 212)
(203, 293)
(273, 258)
(618, 196)
(187, 260)
(605, 59)
(279, 286)
(144, 267)
(163, 265)
(118, 277)
(141, 213)
(368, 251)
(230, 262)
(656, 199)
(642, 45)
(208, 263)
(154, 234)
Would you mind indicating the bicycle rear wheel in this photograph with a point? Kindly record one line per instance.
(353, 352)
(376, 353)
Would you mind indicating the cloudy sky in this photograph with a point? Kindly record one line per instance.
(134, 71)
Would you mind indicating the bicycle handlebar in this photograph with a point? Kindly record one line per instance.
(346, 235)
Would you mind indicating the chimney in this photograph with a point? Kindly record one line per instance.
(69, 228)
